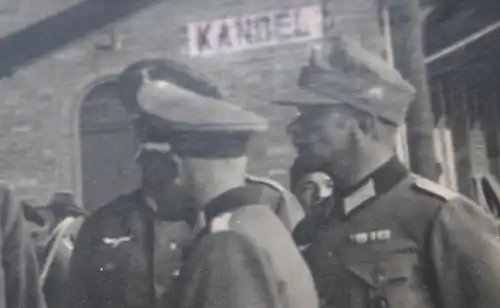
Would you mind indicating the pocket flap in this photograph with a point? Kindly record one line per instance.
(378, 273)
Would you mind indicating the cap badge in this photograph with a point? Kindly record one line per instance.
(357, 198)
(375, 93)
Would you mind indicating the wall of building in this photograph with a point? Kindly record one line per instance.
(40, 105)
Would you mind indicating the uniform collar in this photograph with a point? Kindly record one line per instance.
(231, 200)
(163, 214)
(377, 183)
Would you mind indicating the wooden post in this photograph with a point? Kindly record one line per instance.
(401, 141)
(406, 25)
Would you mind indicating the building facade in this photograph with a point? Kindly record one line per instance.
(465, 95)
(63, 127)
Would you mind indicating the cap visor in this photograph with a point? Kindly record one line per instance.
(301, 97)
(182, 110)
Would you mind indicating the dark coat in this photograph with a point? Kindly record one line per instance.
(244, 258)
(112, 262)
(412, 244)
(102, 275)
(19, 285)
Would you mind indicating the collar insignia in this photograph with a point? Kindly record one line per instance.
(355, 199)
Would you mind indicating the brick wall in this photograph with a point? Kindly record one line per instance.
(39, 108)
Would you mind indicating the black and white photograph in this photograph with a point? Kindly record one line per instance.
(250, 153)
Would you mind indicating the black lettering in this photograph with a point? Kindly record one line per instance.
(299, 31)
(244, 31)
(224, 39)
(282, 25)
(203, 41)
(262, 29)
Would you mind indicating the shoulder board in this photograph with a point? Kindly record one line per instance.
(265, 181)
(221, 223)
(434, 188)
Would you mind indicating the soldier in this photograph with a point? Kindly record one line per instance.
(243, 256)
(309, 179)
(392, 239)
(19, 285)
(129, 252)
(283, 203)
(59, 223)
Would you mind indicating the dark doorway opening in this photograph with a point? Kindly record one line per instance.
(107, 147)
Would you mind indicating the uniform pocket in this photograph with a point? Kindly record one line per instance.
(378, 273)
(389, 281)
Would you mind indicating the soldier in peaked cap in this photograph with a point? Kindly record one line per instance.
(147, 73)
(129, 252)
(242, 256)
(387, 238)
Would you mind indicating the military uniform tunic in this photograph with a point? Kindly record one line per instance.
(244, 258)
(126, 257)
(118, 257)
(397, 240)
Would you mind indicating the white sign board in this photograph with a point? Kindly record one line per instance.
(254, 31)
(402, 146)
(477, 148)
(445, 155)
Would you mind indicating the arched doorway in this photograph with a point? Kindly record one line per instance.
(107, 147)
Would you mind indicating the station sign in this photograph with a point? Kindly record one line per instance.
(255, 31)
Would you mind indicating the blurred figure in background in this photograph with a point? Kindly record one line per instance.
(313, 188)
(55, 227)
(19, 284)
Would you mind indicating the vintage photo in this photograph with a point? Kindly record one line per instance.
(249, 154)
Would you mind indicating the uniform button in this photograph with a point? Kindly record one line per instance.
(380, 278)
(173, 246)
(380, 302)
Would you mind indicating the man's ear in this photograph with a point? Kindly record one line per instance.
(362, 126)
(367, 125)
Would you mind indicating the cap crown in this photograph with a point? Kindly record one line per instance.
(344, 71)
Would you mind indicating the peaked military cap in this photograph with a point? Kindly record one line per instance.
(131, 80)
(194, 124)
(348, 74)
(177, 109)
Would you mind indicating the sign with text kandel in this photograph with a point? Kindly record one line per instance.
(254, 31)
